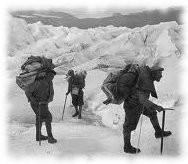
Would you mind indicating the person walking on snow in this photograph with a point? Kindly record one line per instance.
(39, 94)
(75, 85)
(138, 102)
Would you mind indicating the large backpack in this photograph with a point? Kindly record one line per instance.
(111, 86)
(33, 67)
(79, 80)
(77, 83)
(113, 77)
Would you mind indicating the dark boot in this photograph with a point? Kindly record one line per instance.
(80, 111)
(38, 131)
(128, 148)
(76, 113)
(162, 134)
(42, 137)
(158, 130)
(51, 139)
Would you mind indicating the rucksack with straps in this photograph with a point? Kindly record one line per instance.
(34, 66)
(81, 79)
(78, 82)
(112, 77)
(117, 90)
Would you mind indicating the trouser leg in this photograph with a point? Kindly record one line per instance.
(51, 139)
(127, 138)
(80, 112)
(155, 123)
(76, 111)
(152, 114)
(132, 116)
(38, 132)
(38, 128)
(48, 128)
(38, 125)
(76, 108)
(46, 116)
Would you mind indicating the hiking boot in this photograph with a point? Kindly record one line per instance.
(128, 148)
(42, 138)
(52, 140)
(79, 117)
(75, 114)
(132, 150)
(107, 101)
(162, 134)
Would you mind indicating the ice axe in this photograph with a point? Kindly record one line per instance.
(64, 106)
(163, 123)
(140, 132)
(39, 124)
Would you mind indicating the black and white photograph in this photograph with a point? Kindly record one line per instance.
(86, 83)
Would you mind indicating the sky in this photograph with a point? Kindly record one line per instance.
(98, 12)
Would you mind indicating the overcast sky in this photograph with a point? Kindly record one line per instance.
(98, 12)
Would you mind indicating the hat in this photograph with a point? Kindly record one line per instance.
(84, 72)
(70, 72)
(156, 68)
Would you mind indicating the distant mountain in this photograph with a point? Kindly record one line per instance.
(139, 19)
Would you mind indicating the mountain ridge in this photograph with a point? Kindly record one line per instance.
(132, 20)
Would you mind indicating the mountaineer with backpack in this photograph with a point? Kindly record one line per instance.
(36, 80)
(137, 102)
(134, 86)
(76, 83)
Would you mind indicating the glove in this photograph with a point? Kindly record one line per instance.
(159, 108)
(67, 93)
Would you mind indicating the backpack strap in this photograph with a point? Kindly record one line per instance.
(138, 75)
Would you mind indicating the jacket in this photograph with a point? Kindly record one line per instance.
(41, 90)
(76, 81)
(143, 89)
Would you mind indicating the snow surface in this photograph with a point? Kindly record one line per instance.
(100, 131)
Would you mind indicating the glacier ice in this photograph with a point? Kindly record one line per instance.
(108, 46)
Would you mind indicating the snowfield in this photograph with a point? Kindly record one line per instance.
(78, 137)
(98, 51)
(99, 133)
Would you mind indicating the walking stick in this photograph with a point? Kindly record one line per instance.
(140, 131)
(39, 125)
(163, 122)
(64, 106)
